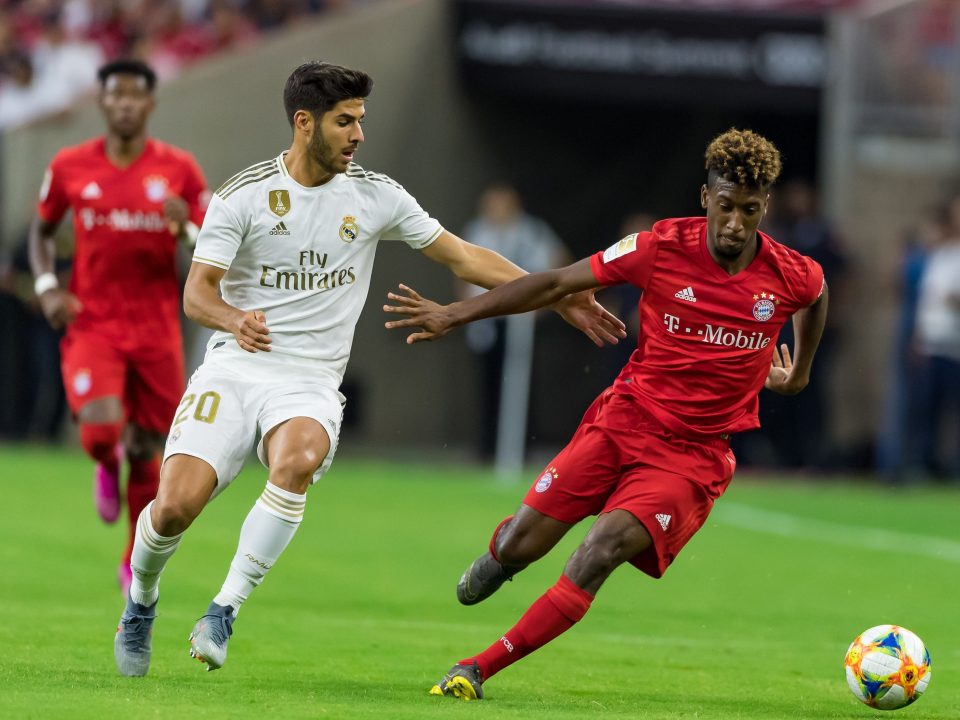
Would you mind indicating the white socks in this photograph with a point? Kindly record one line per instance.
(150, 554)
(265, 534)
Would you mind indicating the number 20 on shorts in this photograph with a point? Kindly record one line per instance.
(206, 408)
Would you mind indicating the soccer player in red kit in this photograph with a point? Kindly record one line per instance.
(132, 198)
(652, 453)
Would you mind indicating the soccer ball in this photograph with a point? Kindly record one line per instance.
(888, 667)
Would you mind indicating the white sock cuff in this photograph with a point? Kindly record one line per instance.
(282, 503)
(151, 538)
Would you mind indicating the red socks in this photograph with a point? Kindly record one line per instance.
(141, 489)
(555, 612)
(493, 538)
(100, 440)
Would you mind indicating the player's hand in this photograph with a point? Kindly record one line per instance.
(251, 331)
(177, 213)
(591, 318)
(60, 307)
(433, 319)
(781, 378)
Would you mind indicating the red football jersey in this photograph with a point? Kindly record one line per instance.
(706, 337)
(124, 269)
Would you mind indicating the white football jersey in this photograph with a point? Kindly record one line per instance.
(303, 255)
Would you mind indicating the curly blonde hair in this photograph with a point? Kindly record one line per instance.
(744, 157)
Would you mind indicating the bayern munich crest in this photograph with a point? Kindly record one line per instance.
(764, 306)
(546, 480)
(155, 188)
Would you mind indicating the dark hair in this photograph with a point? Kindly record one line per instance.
(743, 157)
(317, 86)
(128, 67)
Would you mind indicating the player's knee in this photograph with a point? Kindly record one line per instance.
(99, 440)
(140, 444)
(170, 516)
(294, 470)
(599, 555)
(516, 545)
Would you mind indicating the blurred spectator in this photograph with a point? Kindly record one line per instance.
(938, 344)
(21, 99)
(65, 68)
(503, 226)
(49, 49)
(794, 430)
(897, 454)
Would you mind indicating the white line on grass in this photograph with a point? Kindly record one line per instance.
(785, 525)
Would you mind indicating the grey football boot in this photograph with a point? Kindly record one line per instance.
(208, 640)
(133, 643)
(463, 682)
(483, 578)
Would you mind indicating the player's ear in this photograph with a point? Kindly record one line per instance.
(303, 121)
(704, 192)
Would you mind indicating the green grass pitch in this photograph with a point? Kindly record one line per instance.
(359, 617)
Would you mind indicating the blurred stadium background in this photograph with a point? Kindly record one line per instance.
(595, 111)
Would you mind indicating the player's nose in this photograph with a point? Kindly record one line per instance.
(735, 222)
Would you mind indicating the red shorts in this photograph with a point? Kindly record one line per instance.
(150, 383)
(621, 457)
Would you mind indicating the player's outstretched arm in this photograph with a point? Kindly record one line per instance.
(526, 293)
(789, 376)
(202, 304)
(485, 268)
(59, 305)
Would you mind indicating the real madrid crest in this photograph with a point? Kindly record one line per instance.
(349, 230)
(764, 305)
(279, 202)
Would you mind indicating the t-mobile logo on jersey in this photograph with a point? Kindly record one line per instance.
(718, 335)
(122, 220)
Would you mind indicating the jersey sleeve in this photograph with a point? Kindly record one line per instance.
(411, 223)
(220, 235)
(53, 202)
(195, 190)
(629, 261)
(815, 281)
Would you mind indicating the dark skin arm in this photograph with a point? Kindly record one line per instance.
(786, 377)
(59, 305)
(790, 377)
(483, 267)
(529, 292)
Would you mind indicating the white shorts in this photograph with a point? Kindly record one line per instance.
(223, 412)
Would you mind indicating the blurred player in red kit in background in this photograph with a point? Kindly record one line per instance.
(652, 453)
(133, 197)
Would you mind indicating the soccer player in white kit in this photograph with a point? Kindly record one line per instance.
(281, 271)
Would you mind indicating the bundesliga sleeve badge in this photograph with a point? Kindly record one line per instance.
(621, 248)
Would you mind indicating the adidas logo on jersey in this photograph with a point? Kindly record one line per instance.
(686, 294)
(91, 191)
(664, 520)
(280, 229)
